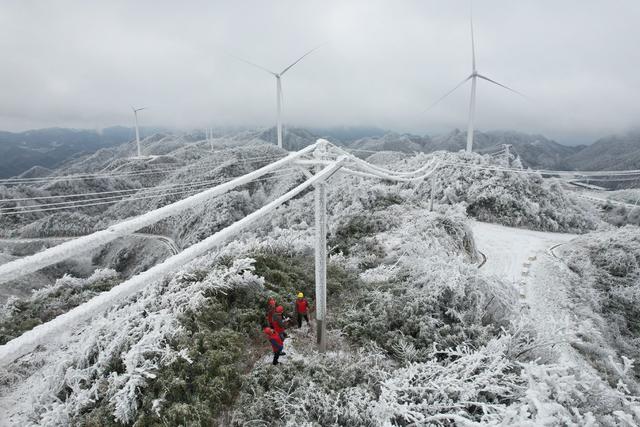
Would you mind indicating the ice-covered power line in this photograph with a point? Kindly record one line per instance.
(134, 174)
(78, 195)
(13, 269)
(191, 187)
(123, 195)
(572, 174)
(613, 179)
(410, 176)
(347, 163)
(116, 174)
(42, 333)
(95, 193)
(29, 264)
(106, 194)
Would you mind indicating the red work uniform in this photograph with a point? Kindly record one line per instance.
(270, 312)
(276, 344)
(278, 325)
(302, 309)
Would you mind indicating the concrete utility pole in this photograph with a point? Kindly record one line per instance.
(321, 252)
(507, 154)
(433, 192)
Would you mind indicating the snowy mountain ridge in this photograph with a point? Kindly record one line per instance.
(418, 333)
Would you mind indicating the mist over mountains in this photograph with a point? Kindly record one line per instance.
(33, 153)
(616, 152)
(49, 148)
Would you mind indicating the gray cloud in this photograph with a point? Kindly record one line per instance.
(82, 63)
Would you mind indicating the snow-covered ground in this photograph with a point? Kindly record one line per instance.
(508, 248)
(545, 296)
(542, 287)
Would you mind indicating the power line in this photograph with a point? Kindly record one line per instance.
(119, 197)
(545, 172)
(81, 205)
(530, 171)
(121, 191)
(64, 196)
(127, 174)
(16, 181)
(152, 190)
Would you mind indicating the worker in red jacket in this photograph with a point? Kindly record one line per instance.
(302, 309)
(278, 322)
(276, 344)
(271, 308)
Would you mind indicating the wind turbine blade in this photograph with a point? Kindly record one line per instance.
(448, 93)
(473, 42)
(252, 64)
(300, 59)
(500, 84)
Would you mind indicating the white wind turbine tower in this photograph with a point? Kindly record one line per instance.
(135, 114)
(209, 136)
(278, 77)
(472, 102)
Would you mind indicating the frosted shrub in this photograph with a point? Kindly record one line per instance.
(621, 215)
(60, 225)
(450, 310)
(607, 266)
(336, 389)
(106, 368)
(22, 314)
(466, 386)
(561, 395)
(513, 199)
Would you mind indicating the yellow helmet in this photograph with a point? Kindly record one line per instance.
(300, 295)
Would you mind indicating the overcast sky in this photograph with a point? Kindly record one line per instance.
(83, 63)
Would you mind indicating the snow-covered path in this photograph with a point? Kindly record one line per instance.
(543, 289)
(508, 248)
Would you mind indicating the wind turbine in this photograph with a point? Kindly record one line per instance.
(278, 77)
(209, 136)
(135, 114)
(473, 77)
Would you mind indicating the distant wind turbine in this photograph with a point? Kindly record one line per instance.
(209, 136)
(278, 77)
(135, 114)
(472, 102)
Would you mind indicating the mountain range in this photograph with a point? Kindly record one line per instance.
(33, 153)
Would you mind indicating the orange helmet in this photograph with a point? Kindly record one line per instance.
(279, 309)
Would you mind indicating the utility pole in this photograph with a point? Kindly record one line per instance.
(321, 252)
(433, 192)
(507, 154)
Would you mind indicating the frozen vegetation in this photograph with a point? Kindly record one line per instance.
(607, 286)
(418, 335)
(514, 199)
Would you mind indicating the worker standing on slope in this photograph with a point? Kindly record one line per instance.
(302, 309)
(276, 344)
(278, 322)
(271, 309)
